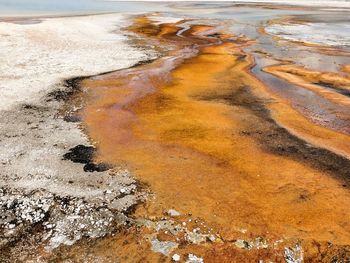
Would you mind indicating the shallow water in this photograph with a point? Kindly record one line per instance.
(313, 106)
(52, 7)
(246, 21)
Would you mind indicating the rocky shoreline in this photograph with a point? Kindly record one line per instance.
(57, 201)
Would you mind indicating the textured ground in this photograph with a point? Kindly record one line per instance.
(51, 190)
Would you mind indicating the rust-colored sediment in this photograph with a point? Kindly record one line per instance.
(346, 69)
(195, 126)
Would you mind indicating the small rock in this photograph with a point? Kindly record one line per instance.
(194, 259)
(163, 247)
(173, 212)
(293, 255)
(212, 238)
(176, 257)
(242, 244)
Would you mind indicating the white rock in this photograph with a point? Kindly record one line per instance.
(173, 212)
(163, 247)
(176, 257)
(194, 259)
(212, 238)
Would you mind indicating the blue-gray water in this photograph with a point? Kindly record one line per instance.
(48, 7)
(35, 7)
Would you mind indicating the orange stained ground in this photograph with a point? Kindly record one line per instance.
(167, 123)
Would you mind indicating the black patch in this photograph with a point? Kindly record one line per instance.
(33, 108)
(29, 107)
(72, 86)
(100, 167)
(215, 35)
(71, 118)
(143, 62)
(80, 154)
(332, 87)
(85, 154)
